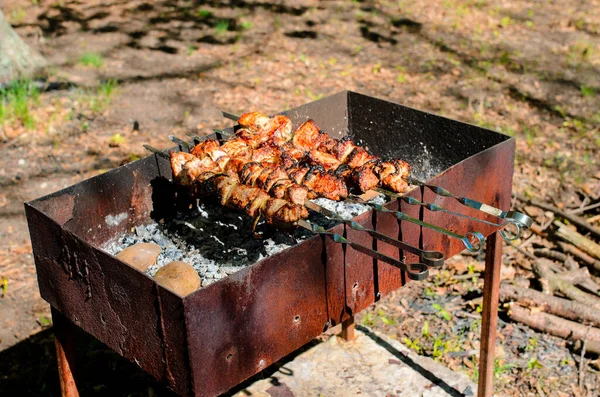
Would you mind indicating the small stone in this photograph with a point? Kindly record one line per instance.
(179, 277)
(141, 256)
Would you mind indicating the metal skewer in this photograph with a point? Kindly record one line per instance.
(471, 246)
(429, 258)
(181, 142)
(156, 151)
(415, 271)
(506, 235)
(230, 116)
(514, 217)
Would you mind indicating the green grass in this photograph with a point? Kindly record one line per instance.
(204, 13)
(587, 91)
(16, 102)
(17, 16)
(222, 27)
(97, 100)
(91, 59)
(246, 25)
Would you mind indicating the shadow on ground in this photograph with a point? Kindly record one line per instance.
(29, 369)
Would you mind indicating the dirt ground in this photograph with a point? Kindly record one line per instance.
(124, 73)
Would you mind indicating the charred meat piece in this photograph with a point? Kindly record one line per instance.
(246, 198)
(187, 167)
(275, 175)
(328, 144)
(307, 136)
(297, 174)
(344, 147)
(267, 154)
(364, 177)
(291, 156)
(358, 157)
(221, 186)
(281, 130)
(277, 130)
(325, 160)
(343, 172)
(237, 148)
(210, 147)
(325, 184)
(282, 214)
(290, 191)
(254, 120)
(250, 173)
(234, 165)
(392, 174)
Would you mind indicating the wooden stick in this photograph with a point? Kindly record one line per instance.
(550, 254)
(577, 239)
(574, 219)
(552, 282)
(489, 323)
(583, 209)
(553, 325)
(565, 308)
(576, 252)
(582, 358)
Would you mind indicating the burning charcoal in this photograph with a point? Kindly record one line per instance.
(178, 277)
(141, 256)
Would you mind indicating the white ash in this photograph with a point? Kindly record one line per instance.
(346, 210)
(218, 242)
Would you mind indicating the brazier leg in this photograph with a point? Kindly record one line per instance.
(348, 329)
(65, 354)
(491, 290)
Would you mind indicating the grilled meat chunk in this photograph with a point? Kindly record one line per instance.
(344, 147)
(358, 157)
(307, 136)
(392, 174)
(277, 130)
(325, 184)
(237, 148)
(281, 131)
(267, 154)
(254, 120)
(282, 214)
(327, 161)
(364, 177)
(186, 167)
(210, 147)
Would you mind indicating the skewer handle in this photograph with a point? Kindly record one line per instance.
(430, 258)
(415, 271)
(517, 217)
(507, 235)
(473, 241)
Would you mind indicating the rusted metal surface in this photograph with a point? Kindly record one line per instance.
(489, 314)
(220, 335)
(65, 355)
(348, 329)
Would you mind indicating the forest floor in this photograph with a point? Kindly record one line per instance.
(125, 73)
